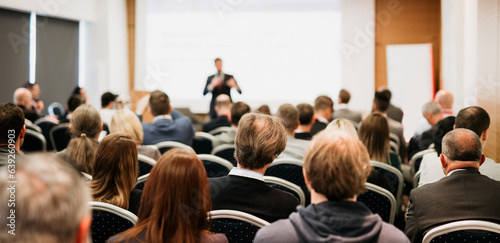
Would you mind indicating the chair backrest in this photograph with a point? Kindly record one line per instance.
(56, 109)
(287, 186)
(394, 147)
(34, 142)
(225, 151)
(32, 126)
(202, 142)
(393, 176)
(139, 184)
(109, 220)
(464, 231)
(393, 137)
(145, 164)
(215, 166)
(289, 169)
(416, 179)
(416, 159)
(60, 135)
(380, 201)
(220, 130)
(46, 124)
(167, 145)
(237, 226)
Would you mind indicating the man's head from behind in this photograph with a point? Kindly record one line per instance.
(337, 165)
(461, 149)
(445, 99)
(290, 115)
(323, 106)
(108, 99)
(237, 111)
(51, 201)
(22, 96)
(344, 96)
(159, 103)
(381, 101)
(431, 111)
(259, 140)
(11, 122)
(306, 113)
(476, 119)
(74, 101)
(223, 104)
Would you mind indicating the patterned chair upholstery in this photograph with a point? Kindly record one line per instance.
(237, 226)
(225, 151)
(379, 201)
(464, 231)
(393, 176)
(145, 164)
(60, 135)
(46, 124)
(290, 170)
(215, 166)
(109, 220)
(286, 186)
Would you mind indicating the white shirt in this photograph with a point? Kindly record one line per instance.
(156, 118)
(247, 173)
(106, 115)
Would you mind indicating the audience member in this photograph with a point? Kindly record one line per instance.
(108, 103)
(168, 124)
(23, 99)
(175, 203)
(264, 109)
(125, 121)
(323, 110)
(393, 112)
(445, 100)
(295, 148)
(85, 125)
(431, 114)
(37, 103)
(462, 195)
(260, 139)
(223, 109)
(306, 115)
(343, 110)
(335, 168)
(73, 102)
(374, 134)
(381, 104)
(81, 91)
(51, 202)
(11, 134)
(114, 172)
(237, 111)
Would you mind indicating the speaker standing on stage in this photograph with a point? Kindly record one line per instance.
(219, 83)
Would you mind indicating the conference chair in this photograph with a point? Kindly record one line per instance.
(416, 179)
(464, 231)
(34, 142)
(60, 135)
(31, 126)
(287, 186)
(416, 159)
(56, 109)
(167, 145)
(236, 225)
(202, 142)
(145, 164)
(225, 151)
(109, 220)
(289, 169)
(215, 166)
(46, 124)
(141, 181)
(380, 201)
(393, 176)
(219, 130)
(86, 176)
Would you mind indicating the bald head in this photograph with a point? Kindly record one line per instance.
(223, 104)
(445, 99)
(22, 96)
(462, 145)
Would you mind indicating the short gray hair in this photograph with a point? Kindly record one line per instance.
(462, 145)
(431, 107)
(51, 199)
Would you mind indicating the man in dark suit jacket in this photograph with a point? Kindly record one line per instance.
(223, 108)
(260, 139)
(463, 194)
(393, 112)
(219, 83)
(168, 124)
(343, 111)
(323, 110)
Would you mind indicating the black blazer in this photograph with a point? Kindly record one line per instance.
(251, 196)
(462, 195)
(220, 121)
(317, 127)
(224, 89)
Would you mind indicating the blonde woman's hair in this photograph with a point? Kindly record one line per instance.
(342, 125)
(125, 121)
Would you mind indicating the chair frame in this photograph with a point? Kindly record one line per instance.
(221, 148)
(394, 138)
(52, 140)
(291, 161)
(238, 215)
(416, 178)
(479, 225)
(40, 137)
(289, 185)
(87, 176)
(172, 144)
(33, 127)
(146, 159)
(387, 194)
(219, 130)
(394, 147)
(398, 173)
(46, 119)
(204, 135)
(141, 179)
(216, 159)
(115, 210)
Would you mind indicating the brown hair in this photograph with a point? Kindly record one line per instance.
(175, 200)
(290, 116)
(114, 170)
(374, 134)
(322, 103)
(259, 140)
(337, 165)
(237, 111)
(86, 125)
(344, 96)
(159, 103)
(306, 113)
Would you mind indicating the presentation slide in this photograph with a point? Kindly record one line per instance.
(279, 51)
